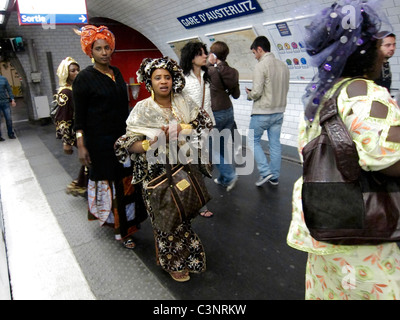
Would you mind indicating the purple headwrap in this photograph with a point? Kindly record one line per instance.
(333, 35)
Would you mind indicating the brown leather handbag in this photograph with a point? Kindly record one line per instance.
(177, 196)
(342, 203)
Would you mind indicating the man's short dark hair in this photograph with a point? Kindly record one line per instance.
(262, 42)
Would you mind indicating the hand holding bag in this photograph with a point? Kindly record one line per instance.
(177, 196)
(342, 203)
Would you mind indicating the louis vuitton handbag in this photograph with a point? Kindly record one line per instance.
(177, 196)
(342, 203)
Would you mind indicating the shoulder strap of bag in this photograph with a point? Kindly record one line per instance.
(168, 169)
(343, 145)
(204, 94)
(330, 106)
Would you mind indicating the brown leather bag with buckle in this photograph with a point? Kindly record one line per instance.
(342, 203)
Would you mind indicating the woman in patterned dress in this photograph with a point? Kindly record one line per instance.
(180, 251)
(64, 119)
(372, 118)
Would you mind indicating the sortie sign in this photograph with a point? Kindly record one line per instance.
(52, 12)
(230, 10)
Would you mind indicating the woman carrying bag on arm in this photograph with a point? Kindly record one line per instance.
(349, 58)
(167, 113)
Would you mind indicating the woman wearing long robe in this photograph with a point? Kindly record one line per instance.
(101, 110)
(64, 120)
(180, 251)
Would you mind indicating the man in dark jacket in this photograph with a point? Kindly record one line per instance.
(6, 96)
(388, 48)
(224, 83)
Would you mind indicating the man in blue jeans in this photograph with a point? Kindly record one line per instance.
(269, 96)
(5, 97)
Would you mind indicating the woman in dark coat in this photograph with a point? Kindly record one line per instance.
(101, 109)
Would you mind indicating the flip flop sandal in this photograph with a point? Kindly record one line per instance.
(180, 276)
(207, 214)
(129, 244)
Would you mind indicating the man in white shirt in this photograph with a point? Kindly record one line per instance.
(269, 96)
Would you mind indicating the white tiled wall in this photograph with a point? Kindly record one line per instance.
(157, 20)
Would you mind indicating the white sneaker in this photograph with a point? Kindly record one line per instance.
(263, 180)
(232, 184)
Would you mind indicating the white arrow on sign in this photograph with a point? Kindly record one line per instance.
(82, 18)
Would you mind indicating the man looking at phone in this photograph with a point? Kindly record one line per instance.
(269, 96)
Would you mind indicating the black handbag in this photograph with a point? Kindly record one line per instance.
(177, 196)
(342, 203)
(54, 107)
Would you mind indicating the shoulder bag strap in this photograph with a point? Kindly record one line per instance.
(342, 143)
(204, 94)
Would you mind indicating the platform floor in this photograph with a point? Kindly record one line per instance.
(54, 252)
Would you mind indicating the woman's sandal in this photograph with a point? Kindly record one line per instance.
(180, 276)
(206, 214)
(129, 244)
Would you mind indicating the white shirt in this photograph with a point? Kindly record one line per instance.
(194, 89)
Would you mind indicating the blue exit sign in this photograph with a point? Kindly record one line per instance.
(47, 12)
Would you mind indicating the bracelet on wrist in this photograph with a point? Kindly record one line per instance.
(185, 126)
(146, 145)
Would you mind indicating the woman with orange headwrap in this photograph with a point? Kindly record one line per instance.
(101, 110)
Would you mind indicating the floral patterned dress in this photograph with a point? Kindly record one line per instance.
(353, 272)
(181, 249)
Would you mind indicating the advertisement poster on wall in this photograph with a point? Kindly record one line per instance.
(240, 56)
(286, 42)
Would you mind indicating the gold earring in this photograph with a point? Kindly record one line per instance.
(92, 60)
(152, 94)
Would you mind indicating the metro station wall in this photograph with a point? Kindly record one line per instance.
(159, 24)
(157, 21)
(61, 41)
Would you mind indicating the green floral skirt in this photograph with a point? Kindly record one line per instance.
(365, 273)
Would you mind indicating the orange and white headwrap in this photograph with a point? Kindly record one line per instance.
(89, 34)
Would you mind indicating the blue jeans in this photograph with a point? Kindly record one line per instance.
(273, 124)
(224, 119)
(6, 111)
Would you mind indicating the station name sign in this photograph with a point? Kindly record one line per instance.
(230, 10)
